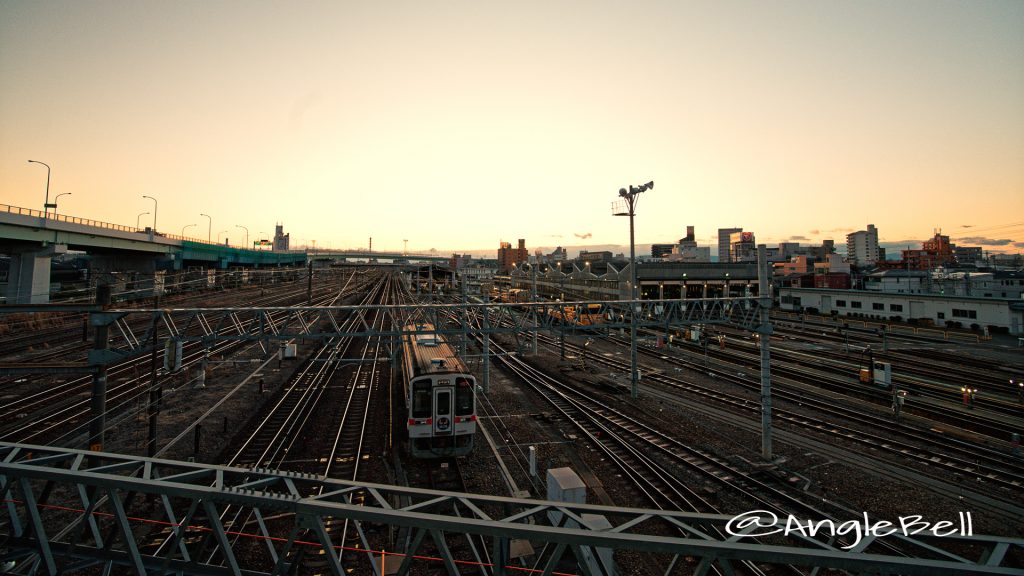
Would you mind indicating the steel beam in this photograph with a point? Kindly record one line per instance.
(434, 514)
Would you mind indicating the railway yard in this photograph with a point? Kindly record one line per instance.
(941, 441)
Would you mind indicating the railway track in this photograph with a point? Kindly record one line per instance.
(924, 446)
(314, 407)
(993, 419)
(661, 467)
(61, 409)
(939, 374)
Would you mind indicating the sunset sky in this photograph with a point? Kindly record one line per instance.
(457, 125)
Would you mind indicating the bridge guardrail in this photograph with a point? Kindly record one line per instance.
(87, 222)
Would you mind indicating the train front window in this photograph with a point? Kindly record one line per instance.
(421, 399)
(463, 396)
(444, 403)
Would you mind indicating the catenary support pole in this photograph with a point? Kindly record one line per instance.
(487, 350)
(309, 285)
(155, 391)
(97, 411)
(533, 310)
(765, 332)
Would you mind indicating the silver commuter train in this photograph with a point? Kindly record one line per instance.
(440, 395)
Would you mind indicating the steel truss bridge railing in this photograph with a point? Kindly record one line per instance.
(66, 510)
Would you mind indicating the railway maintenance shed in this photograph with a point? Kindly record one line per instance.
(995, 314)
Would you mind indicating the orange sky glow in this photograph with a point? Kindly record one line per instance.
(458, 124)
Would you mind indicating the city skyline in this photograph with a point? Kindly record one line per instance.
(458, 126)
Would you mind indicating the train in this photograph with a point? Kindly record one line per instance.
(440, 395)
(580, 314)
(512, 295)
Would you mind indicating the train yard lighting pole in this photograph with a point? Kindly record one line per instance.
(138, 218)
(154, 211)
(46, 203)
(765, 333)
(246, 234)
(184, 227)
(55, 201)
(209, 227)
(627, 207)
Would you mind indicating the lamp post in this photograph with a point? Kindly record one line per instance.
(627, 207)
(246, 234)
(141, 214)
(219, 233)
(46, 203)
(154, 211)
(209, 226)
(55, 201)
(184, 227)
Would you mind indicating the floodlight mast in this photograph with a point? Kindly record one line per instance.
(630, 199)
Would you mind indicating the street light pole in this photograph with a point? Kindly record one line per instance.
(246, 234)
(137, 218)
(184, 227)
(209, 227)
(630, 199)
(154, 211)
(55, 201)
(46, 204)
(219, 233)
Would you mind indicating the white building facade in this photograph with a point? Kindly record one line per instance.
(862, 246)
(997, 315)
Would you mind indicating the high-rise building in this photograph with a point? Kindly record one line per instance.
(507, 255)
(688, 251)
(934, 253)
(724, 243)
(661, 250)
(862, 246)
(742, 247)
(281, 240)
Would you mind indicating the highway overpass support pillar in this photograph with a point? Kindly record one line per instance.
(28, 280)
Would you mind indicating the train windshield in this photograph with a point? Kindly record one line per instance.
(443, 402)
(463, 396)
(421, 399)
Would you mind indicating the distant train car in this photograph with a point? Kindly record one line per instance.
(518, 295)
(583, 315)
(440, 396)
(589, 314)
